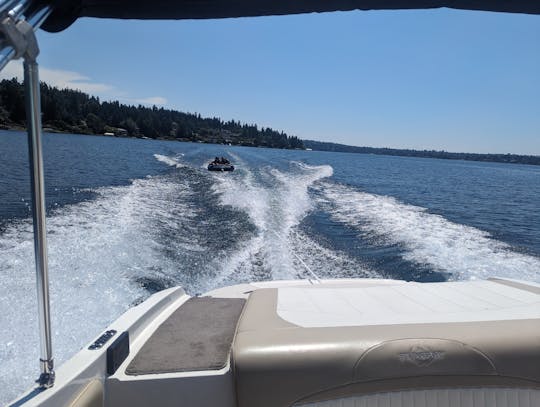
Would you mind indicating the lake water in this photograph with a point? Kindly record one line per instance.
(128, 217)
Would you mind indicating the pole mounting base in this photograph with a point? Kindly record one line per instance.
(46, 378)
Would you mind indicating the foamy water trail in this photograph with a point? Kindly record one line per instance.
(98, 250)
(274, 211)
(463, 251)
(279, 249)
(170, 161)
(325, 262)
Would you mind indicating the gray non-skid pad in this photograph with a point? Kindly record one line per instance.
(197, 336)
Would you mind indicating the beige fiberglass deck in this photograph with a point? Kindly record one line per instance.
(354, 342)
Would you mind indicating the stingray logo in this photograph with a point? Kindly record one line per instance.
(421, 356)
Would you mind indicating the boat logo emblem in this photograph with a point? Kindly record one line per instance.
(421, 356)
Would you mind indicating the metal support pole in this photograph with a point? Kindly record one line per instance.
(17, 39)
(33, 118)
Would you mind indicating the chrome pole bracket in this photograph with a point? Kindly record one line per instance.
(20, 35)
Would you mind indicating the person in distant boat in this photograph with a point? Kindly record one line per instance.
(220, 160)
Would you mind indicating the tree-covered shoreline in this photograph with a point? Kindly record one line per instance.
(72, 111)
(445, 155)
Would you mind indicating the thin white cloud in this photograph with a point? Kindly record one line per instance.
(74, 80)
(154, 100)
(59, 78)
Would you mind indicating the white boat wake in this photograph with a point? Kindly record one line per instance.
(425, 238)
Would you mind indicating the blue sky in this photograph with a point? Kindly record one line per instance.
(425, 79)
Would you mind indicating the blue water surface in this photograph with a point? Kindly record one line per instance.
(500, 199)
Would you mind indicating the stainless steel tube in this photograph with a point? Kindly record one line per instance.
(39, 16)
(7, 5)
(33, 117)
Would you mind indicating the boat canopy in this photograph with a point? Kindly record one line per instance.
(67, 11)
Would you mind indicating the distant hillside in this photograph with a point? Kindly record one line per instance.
(71, 111)
(501, 158)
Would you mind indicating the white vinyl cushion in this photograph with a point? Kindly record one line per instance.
(481, 397)
(411, 303)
